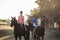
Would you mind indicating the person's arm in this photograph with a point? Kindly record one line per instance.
(37, 20)
(23, 19)
(31, 20)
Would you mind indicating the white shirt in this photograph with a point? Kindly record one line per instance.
(39, 22)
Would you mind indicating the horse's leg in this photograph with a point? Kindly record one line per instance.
(34, 37)
(15, 37)
(39, 38)
(42, 37)
(32, 34)
(28, 36)
(19, 37)
(25, 37)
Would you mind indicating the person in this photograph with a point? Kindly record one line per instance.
(21, 20)
(38, 23)
(33, 21)
(39, 20)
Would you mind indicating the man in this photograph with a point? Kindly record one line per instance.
(33, 21)
(39, 21)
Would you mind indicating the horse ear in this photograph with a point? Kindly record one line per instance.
(14, 17)
(11, 17)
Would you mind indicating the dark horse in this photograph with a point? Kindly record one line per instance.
(31, 27)
(19, 31)
(39, 32)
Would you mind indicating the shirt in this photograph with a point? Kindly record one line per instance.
(21, 19)
(39, 22)
(33, 20)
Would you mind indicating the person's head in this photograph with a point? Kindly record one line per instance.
(21, 12)
(39, 17)
(33, 16)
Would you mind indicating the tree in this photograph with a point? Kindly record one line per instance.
(47, 9)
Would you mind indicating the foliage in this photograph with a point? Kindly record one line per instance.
(4, 20)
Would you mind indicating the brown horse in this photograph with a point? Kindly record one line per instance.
(39, 32)
(31, 27)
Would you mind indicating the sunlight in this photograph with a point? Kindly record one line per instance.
(10, 8)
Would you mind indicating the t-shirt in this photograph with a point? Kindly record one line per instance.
(39, 22)
(33, 20)
(21, 19)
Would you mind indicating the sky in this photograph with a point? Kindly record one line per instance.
(12, 8)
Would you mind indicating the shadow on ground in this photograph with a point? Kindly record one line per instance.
(6, 32)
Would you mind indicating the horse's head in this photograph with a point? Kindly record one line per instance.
(13, 21)
(30, 25)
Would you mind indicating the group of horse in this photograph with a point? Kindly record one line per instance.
(20, 31)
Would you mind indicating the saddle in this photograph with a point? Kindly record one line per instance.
(23, 27)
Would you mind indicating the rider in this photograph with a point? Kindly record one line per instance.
(39, 21)
(33, 21)
(36, 23)
(21, 20)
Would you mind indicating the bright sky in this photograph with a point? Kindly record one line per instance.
(10, 8)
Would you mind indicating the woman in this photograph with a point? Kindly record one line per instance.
(21, 20)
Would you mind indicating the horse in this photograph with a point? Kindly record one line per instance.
(18, 30)
(39, 32)
(31, 27)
